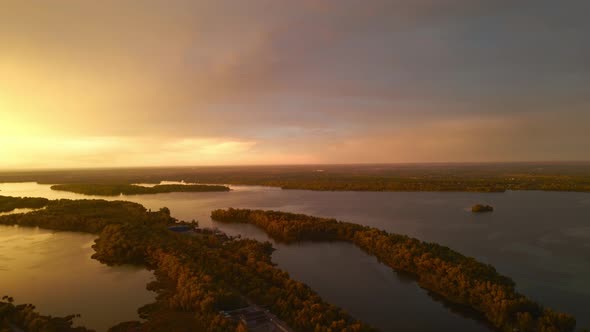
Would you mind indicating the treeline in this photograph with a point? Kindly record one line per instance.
(196, 276)
(130, 189)
(457, 278)
(23, 317)
(490, 177)
(8, 204)
(449, 183)
(89, 216)
(346, 182)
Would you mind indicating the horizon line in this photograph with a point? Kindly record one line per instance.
(35, 169)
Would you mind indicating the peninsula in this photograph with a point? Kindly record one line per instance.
(456, 278)
(197, 277)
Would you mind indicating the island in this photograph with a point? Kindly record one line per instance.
(456, 278)
(479, 208)
(131, 189)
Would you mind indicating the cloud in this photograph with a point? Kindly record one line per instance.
(520, 137)
(293, 81)
(69, 152)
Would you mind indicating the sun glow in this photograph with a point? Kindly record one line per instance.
(50, 151)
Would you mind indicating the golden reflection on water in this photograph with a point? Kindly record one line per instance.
(54, 271)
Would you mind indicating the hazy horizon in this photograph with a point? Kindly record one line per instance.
(181, 83)
(442, 163)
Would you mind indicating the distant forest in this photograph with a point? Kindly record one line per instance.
(492, 177)
(130, 189)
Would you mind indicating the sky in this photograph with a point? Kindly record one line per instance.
(219, 82)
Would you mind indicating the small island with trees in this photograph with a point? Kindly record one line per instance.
(480, 208)
(132, 189)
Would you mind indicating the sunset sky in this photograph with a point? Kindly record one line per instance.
(194, 82)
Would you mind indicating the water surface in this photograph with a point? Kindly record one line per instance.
(54, 271)
(540, 239)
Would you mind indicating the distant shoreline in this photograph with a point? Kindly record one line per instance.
(131, 189)
(490, 177)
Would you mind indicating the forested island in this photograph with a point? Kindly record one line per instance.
(131, 189)
(487, 177)
(197, 277)
(459, 279)
(479, 208)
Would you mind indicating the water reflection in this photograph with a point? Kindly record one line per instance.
(54, 271)
(348, 277)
